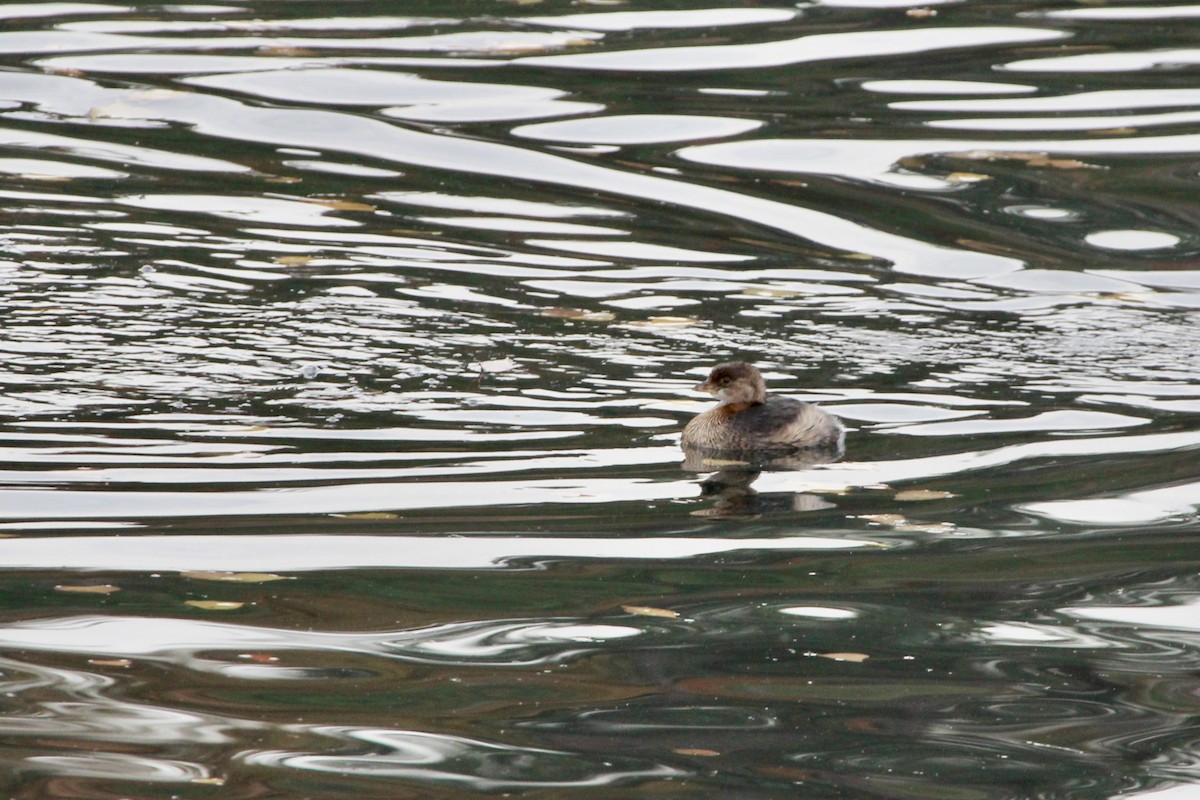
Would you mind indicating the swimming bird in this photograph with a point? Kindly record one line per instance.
(747, 419)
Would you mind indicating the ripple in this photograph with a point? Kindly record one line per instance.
(250, 209)
(468, 763)
(1119, 13)
(819, 47)
(1062, 422)
(1177, 617)
(414, 96)
(250, 553)
(338, 314)
(938, 86)
(1152, 505)
(61, 9)
(1108, 62)
(688, 18)
(637, 129)
(877, 160)
(196, 643)
(119, 766)
(1106, 100)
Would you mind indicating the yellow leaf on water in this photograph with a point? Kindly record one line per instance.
(110, 662)
(723, 462)
(579, 314)
(1032, 159)
(856, 658)
(900, 523)
(295, 261)
(100, 588)
(339, 205)
(650, 611)
(214, 605)
(928, 527)
(285, 51)
(918, 495)
(967, 177)
(368, 515)
(696, 751)
(1061, 163)
(234, 577)
(38, 176)
(884, 519)
(663, 322)
(1127, 297)
(208, 781)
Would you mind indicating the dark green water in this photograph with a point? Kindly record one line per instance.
(346, 348)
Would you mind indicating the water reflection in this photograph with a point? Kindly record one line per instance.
(346, 359)
(481, 766)
(729, 490)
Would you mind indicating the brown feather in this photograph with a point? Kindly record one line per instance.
(769, 422)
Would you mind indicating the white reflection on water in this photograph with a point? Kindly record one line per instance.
(413, 97)
(870, 473)
(58, 170)
(1132, 239)
(124, 154)
(1068, 123)
(818, 47)
(637, 129)
(878, 159)
(1107, 100)
(937, 86)
(205, 646)
(682, 18)
(1151, 505)
(1124, 61)
(1183, 791)
(337, 132)
(209, 23)
(120, 766)
(1062, 421)
(470, 763)
(1181, 616)
(249, 209)
(395, 307)
(283, 553)
(351, 497)
(1028, 634)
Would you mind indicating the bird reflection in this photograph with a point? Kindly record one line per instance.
(730, 486)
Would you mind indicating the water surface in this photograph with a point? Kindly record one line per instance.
(346, 351)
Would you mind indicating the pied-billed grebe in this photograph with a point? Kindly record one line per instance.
(747, 419)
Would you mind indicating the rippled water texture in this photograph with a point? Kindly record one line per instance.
(347, 346)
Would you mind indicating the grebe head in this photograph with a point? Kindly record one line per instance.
(735, 382)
